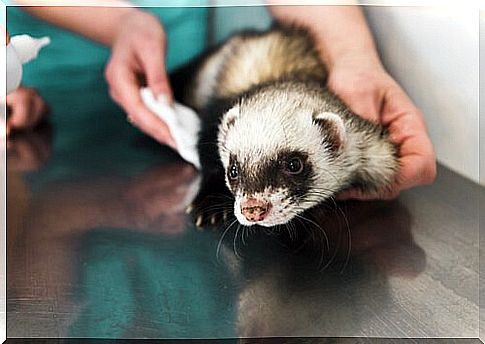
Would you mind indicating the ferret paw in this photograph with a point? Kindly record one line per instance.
(208, 212)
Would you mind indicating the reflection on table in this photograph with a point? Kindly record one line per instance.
(99, 245)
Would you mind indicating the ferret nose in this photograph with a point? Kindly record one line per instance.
(254, 209)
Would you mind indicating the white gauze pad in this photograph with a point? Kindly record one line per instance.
(183, 123)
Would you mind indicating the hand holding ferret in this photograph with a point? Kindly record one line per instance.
(357, 76)
(364, 85)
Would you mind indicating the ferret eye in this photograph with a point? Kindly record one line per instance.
(294, 166)
(233, 171)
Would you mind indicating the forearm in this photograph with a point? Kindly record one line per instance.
(95, 22)
(341, 31)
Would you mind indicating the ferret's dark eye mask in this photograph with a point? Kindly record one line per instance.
(288, 169)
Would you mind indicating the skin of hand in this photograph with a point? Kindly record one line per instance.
(373, 94)
(29, 151)
(138, 45)
(356, 75)
(25, 109)
(138, 50)
(156, 200)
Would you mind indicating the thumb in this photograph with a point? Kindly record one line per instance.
(367, 106)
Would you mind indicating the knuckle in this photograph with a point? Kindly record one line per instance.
(150, 44)
(130, 118)
(29, 92)
(418, 113)
(110, 70)
(429, 175)
(108, 74)
(114, 95)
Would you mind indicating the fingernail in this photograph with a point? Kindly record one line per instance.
(172, 144)
(162, 98)
(165, 98)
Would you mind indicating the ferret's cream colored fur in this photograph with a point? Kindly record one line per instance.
(275, 83)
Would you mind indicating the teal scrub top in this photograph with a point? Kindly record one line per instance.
(77, 62)
(184, 292)
(69, 75)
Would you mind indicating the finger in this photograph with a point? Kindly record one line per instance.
(40, 106)
(417, 157)
(416, 170)
(151, 125)
(417, 167)
(154, 67)
(397, 104)
(357, 194)
(39, 110)
(362, 100)
(126, 92)
(21, 115)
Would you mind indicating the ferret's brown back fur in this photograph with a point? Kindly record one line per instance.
(251, 59)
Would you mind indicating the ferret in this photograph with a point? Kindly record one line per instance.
(279, 138)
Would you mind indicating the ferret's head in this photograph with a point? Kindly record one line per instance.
(281, 155)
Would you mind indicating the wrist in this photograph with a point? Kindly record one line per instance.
(355, 60)
(141, 23)
(130, 20)
(363, 54)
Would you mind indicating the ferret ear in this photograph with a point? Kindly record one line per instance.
(227, 121)
(333, 129)
(230, 117)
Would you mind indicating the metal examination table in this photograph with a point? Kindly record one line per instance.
(99, 246)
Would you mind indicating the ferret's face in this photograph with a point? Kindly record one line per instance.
(279, 162)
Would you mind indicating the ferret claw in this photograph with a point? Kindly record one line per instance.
(198, 222)
(189, 209)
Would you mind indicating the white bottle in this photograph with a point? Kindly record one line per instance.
(20, 50)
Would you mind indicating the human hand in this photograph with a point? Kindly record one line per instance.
(156, 200)
(25, 109)
(29, 151)
(138, 50)
(372, 93)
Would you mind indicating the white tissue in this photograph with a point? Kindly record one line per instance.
(27, 47)
(183, 123)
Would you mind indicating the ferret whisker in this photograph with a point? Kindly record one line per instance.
(288, 230)
(327, 244)
(226, 197)
(234, 245)
(275, 131)
(243, 239)
(208, 143)
(339, 210)
(211, 208)
(349, 236)
(308, 231)
(337, 180)
(222, 238)
(292, 231)
(318, 226)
